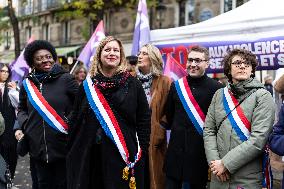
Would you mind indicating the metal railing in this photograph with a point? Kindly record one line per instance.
(39, 6)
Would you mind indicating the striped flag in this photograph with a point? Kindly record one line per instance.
(141, 34)
(173, 69)
(20, 68)
(89, 50)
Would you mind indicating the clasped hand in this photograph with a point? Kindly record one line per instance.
(217, 168)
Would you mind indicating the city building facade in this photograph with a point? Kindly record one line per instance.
(38, 18)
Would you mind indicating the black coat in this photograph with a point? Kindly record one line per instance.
(8, 142)
(185, 158)
(45, 143)
(93, 160)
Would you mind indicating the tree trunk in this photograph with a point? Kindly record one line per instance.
(14, 22)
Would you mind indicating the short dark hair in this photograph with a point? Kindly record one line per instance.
(245, 54)
(200, 49)
(35, 46)
(132, 59)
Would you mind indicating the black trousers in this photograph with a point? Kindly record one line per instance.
(51, 175)
(172, 183)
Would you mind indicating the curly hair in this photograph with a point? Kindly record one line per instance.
(155, 58)
(96, 62)
(245, 55)
(35, 46)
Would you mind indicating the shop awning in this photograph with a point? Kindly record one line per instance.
(65, 51)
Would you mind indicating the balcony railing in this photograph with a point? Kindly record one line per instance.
(39, 6)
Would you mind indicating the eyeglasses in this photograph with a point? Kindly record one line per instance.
(42, 58)
(4, 71)
(196, 60)
(238, 63)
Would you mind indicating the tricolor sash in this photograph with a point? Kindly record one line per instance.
(109, 122)
(242, 127)
(236, 116)
(190, 105)
(43, 108)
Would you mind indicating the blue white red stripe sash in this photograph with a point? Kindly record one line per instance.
(108, 121)
(242, 127)
(190, 105)
(43, 108)
(237, 118)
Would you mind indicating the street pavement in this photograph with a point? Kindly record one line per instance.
(23, 177)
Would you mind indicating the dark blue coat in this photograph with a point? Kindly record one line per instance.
(276, 140)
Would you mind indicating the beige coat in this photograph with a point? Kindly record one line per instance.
(242, 159)
(158, 143)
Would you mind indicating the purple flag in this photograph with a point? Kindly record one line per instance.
(20, 68)
(89, 50)
(142, 29)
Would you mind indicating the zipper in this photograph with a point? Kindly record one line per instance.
(44, 134)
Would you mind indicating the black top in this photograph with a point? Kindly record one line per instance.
(185, 159)
(98, 161)
(59, 89)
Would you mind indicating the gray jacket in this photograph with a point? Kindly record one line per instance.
(242, 159)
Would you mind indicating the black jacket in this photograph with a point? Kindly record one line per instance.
(185, 158)
(59, 89)
(93, 160)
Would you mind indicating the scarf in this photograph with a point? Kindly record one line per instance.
(146, 81)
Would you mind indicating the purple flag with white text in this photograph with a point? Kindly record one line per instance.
(89, 50)
(142, 29)
(20, 68)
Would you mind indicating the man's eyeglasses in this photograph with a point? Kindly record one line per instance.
(41, 58)
(238, 63)
(4, 71)
(196, 60)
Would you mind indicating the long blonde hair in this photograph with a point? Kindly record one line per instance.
(155, 58)
(96, 62)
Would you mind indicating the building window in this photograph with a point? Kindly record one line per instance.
(29, 7)
(28, 32)
(66, 32)
(45, 31)
(227, 5)
(189, 9)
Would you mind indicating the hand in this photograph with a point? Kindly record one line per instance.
(19, 134)
(224, 177)
(12, 85)
(217, 167)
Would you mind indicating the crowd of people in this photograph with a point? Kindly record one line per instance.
(106, 127)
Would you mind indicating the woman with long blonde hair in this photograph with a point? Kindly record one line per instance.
(156, 87)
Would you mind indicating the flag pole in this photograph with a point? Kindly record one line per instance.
(73, 68)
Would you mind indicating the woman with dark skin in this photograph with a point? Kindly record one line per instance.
(46, 98)
(8, 104)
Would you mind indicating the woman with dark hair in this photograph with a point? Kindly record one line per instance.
(9, 100)
(80, 74)
(237, 126)
(46, 98)
(111, 125)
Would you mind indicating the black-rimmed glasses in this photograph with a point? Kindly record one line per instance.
(196, 60)
(238, 63)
